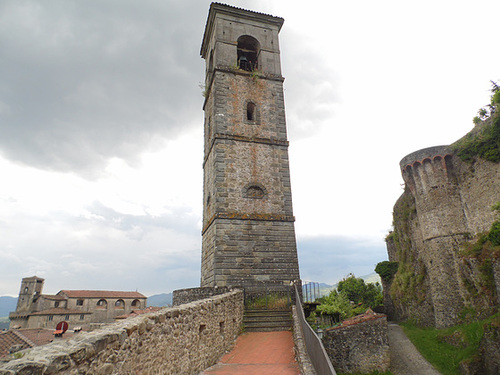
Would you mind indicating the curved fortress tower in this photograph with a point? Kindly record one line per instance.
(248, 223)
(431, 178)
(452, 204)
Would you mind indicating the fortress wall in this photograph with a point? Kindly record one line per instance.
(452, 201)
(179, 340)
(479, 191)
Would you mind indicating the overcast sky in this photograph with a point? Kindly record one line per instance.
(101, 129)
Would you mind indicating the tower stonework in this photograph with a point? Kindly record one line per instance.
(248, 223)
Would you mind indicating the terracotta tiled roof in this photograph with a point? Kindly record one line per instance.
(54, 297)
(27, 338)
(59, 311)
(139, 312)
(368, 315)
(41, 336)
(9, 339)
(100, 294)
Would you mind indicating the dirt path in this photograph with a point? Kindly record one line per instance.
(405, 358)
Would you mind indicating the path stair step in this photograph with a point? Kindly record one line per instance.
(262, 320)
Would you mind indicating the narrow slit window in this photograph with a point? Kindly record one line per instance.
(251, 111)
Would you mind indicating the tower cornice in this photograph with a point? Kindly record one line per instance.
(242, 138)
(218, 8)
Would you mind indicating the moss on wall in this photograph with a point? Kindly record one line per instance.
(483, 143)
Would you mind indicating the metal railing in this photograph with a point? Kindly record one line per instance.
(310, 291)
(314, 347)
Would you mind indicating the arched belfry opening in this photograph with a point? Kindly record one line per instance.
(248, 53)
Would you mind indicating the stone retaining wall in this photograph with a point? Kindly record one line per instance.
(360, 345)
(178, 340)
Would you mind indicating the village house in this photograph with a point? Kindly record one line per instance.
(78, 308)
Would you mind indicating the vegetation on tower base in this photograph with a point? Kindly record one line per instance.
(484, 140)
(480, 252)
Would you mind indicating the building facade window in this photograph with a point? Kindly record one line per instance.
(79, 302)
(136, 303)
(102, 304)
(82, 316)
(120, 304)
(66, 317)
(51, 317)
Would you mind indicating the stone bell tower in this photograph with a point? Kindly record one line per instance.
(248, 223)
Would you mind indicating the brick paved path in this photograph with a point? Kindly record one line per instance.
(259, 353)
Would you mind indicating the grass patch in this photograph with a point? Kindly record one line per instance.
(270, 301)
(446, 348)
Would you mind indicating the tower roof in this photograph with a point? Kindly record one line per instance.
(236, 12)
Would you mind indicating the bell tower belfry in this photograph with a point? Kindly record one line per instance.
(248, 223)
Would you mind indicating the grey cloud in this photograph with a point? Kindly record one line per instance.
(180, 219)
(82, 83)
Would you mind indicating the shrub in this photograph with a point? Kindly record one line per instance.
(387, 270)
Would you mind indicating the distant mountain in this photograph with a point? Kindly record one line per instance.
(372, 278)
(7, 304)
(160, 300)
(4, 323)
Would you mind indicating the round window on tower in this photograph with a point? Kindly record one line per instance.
(254, 191)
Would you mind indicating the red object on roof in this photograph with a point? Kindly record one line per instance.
(62, 326)
(100, 294)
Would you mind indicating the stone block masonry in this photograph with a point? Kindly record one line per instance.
(181, 296)
(360, 345)
(179, 340)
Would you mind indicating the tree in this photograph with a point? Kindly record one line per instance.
(351, 297)
(369, 295)
(337, 305)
